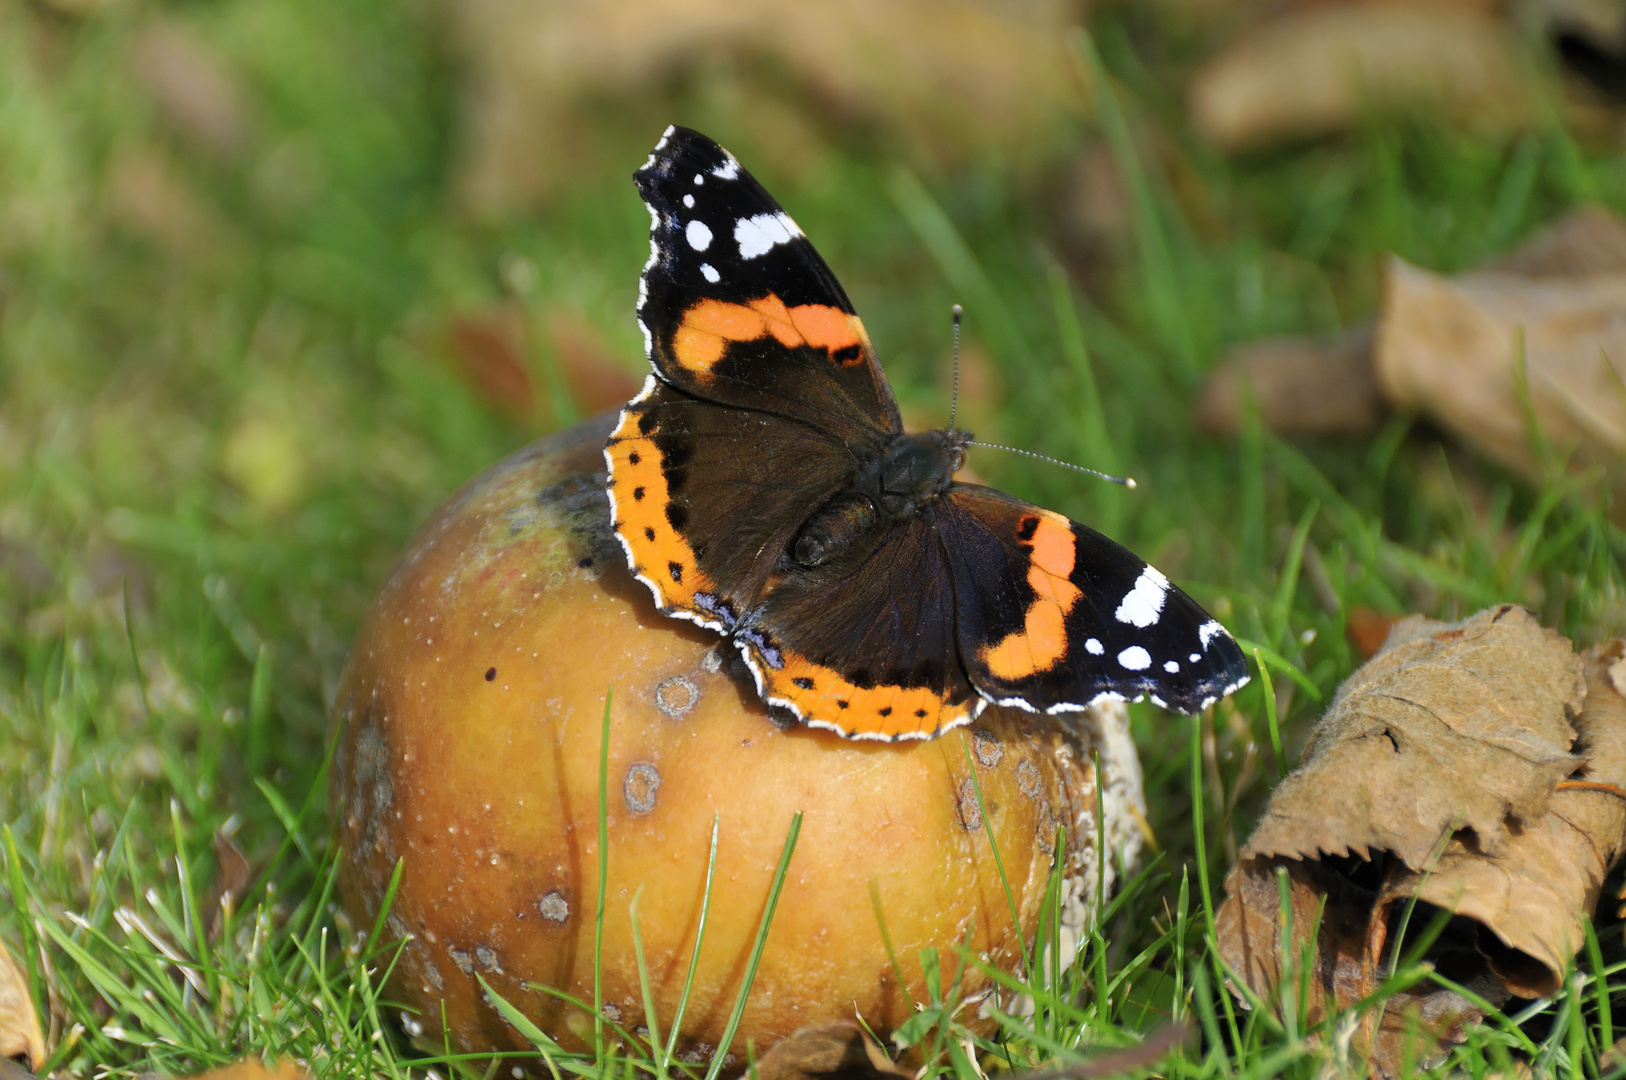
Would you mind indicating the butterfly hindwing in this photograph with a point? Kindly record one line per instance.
(1053, 616)
(736, 305)
(705, 498)
(866, 647)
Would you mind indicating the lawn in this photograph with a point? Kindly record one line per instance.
(226, 403)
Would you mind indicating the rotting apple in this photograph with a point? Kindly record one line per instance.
(471, 714)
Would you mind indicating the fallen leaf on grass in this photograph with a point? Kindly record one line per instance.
(1302, 385)
(1320, 69)
(1487, 354)
(20, 1033)
(839, 1050)
(1458, 770)
(1543, 325)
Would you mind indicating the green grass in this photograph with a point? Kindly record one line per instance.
(208, 458)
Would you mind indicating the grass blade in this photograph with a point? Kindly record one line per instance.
(727, 1039)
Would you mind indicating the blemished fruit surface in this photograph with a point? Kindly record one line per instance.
(471, 717)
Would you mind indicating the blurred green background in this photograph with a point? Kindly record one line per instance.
(276, 278)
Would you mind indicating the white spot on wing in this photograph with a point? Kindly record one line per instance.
(698, 235)
(1208, 631)
(710, 273)
(1135, 658)
(728, 170)
(1144, 603)
(688, 201)
(1194, 657)
(698, 179)
(1171, 666)
(1093, 647)
(758, 235)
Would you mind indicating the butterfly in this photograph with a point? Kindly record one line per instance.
(762, 486)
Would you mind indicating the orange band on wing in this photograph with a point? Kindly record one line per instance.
(1043, 638)
(707, 328)
(660, 553)
(827, 699)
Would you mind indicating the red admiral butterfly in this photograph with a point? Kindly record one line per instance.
(763, 487)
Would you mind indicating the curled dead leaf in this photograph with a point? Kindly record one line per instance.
(20, 1034)
(1469, 775)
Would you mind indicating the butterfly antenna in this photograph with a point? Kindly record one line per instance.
(954, 395)
(1126, 481)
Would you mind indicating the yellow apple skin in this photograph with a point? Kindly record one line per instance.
(470, 718)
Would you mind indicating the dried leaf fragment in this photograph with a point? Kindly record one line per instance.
(843, 1049)
(19, 1024)
(1445, 773)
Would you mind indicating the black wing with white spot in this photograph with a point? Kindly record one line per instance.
(738, 308)
(1053, 616)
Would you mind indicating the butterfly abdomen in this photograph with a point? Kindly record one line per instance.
(887, 487)
(834, 529)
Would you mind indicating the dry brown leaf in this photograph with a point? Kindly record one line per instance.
(1448, 727)
(843, 1049)
(1485, 353)
(20, 1033)
(1303, 385)
(1327, 385)
(1318, 70)
(957, 78)
(1442, 773)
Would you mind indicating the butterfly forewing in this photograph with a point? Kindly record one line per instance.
(736, 305)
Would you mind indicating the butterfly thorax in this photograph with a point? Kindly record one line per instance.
(887, 487)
